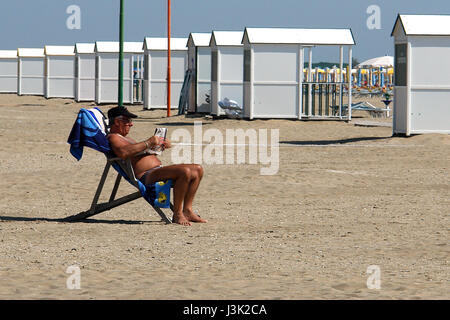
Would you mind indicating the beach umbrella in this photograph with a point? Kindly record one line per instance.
(382, 77)
(386, 61)
(359, 77)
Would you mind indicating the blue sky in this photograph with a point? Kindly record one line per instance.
(35, 23)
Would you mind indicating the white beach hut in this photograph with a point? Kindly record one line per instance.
(227, 57)
(199, 62)
(107, 71)
(59, 72)
(155, 71)
(84, 72)
(30, 71)
(273, 79)
(422, 67)
(8, 71)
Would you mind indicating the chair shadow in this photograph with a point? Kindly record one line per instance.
(331, 142)
(124, 222)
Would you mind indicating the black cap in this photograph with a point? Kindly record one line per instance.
(120, 111)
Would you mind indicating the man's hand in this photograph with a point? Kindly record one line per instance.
(159, 141)
(166, 144)
(153, 142)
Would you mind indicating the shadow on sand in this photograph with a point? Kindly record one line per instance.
(28, 219)
(332, 142)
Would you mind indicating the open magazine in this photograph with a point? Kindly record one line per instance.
(159, 132)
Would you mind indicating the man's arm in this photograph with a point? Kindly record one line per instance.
(125, 149)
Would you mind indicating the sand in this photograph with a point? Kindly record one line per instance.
(345, 197)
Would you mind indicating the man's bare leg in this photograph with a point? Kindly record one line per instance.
(179, 193)
(182, 177)
(196, 177)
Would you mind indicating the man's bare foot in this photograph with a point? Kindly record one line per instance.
(180, 219)
(191, 216)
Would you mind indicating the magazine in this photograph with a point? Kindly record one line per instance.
(159, 132)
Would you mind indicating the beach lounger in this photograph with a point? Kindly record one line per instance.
(364, 106)
(90, 130)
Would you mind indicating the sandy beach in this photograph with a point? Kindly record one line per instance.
(345, 197)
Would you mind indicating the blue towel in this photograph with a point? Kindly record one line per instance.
(89, 130)
(157, 194)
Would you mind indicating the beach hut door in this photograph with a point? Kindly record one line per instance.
(401, 65)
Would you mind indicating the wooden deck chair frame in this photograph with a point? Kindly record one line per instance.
(97, 208)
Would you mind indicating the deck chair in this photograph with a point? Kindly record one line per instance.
(90, 130)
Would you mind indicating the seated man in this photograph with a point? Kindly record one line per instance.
(148, 168)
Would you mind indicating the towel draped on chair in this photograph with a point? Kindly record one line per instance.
(89, 130)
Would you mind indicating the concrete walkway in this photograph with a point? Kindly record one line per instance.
(364, 123)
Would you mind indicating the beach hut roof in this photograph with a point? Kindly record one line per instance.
(59, 50)
(151, 43)
(113, 47)
(30, 52)
(199, 39)
(84, 47)
(8, 54)
(227, 38)
(299, 36)
(386, 61)
(106, 46)
(423, 25)
(132, 47)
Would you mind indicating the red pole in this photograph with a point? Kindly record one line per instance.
(168, 58)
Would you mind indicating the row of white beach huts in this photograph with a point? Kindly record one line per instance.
(84, 72)
(259, 68)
